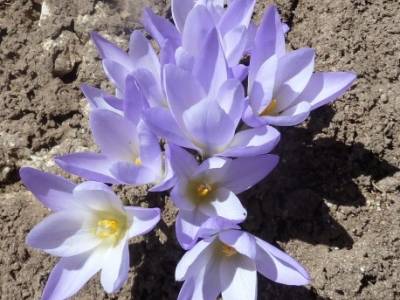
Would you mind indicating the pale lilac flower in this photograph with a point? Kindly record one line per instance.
(130, 152)
(89, 230)
(141, 61)
(209, 190)
(99, 99)
(227, 264)
(205, 108)
(282, 87)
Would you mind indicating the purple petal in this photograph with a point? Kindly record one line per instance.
(70, 274)
(253, 142)
(100, 99)
(243, 242)
(187, 227)
(294, 72)
(325, 87)
(251, 170)
(63, 234)
(189, 258)
(180, 10)
(91, 166)
(150, 86)
(292, 116)
(116, 73)
(143, 55)
(168, 178)
(215, 225)
(240, 72)
(238, 14)
(183, 59)
(134, 101)
(182, 162)
(234, 43)
(161, 122)
(53, 191)
(179, 196)
(199, 24)
(278, 266)
(150, 150)
(115, 267)
(209, 126)
(187, 290)
(238, 278)
(115, 135)
(210, 67)
(161, 29)
(269, 41)
(129, 173)
(226, 205)
(144, 219)
(231, 99)
(110, 51)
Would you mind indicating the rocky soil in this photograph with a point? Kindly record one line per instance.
(332, 203)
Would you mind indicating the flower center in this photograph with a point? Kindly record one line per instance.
(227, 250)
(203, 189)
(137, 161)
(107, 228)
(270, 109)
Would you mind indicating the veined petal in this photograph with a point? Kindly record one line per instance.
(278, 266)
(100, 99)
(115, 267)
(116, 73)
(63, 234)
(91, 166)
(292, 116)
(251, 170)
(70, 274)
(143, 55)
(183, 59)
(238, 278)
(179, 196)
(150, 87)
(243, 242)
(251, 142)
(210, 66)
(234, 44)
(325, 87)
(226, 205)
(269, 41)
(116, 136)
(237, 14)
(129, 173)
(134, 101)
(231, 99)
(294, 72)
(182, 162)
(144, 219)
(55, 192)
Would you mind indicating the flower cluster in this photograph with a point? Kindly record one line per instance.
(197, 118)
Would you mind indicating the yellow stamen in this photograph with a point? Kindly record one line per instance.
(203, 189)
(270, 109)
(106, 228)
(228, 250)
(137, 161)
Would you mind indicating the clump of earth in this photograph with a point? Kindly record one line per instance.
(332, 202)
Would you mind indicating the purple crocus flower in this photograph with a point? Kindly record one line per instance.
(89, 230)
(99, 99)
(205, 108)
(130, 152)
(209, 190)
(227, 264)
(282, 87)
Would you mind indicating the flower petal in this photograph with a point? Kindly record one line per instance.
(292, 116)
(269, 41)
(231, 99)
(63, 234)
(144, 220)
(116, 73)
(53, 191)
(134, 101)
(115, 267)
(100, 99)
(91, 166)
(182, 162)
(278, 266)
(238, 278)
(179, 196)
(129, 173)
(180, 10)
(70, 274)
(251, 142)
(294, 72)
(226, 205)
(187, 227)
(243, 242)
(115, 135)
(150, 87)
(251, 170)
(325, 87)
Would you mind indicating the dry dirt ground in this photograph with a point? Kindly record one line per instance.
(332, 203)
